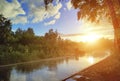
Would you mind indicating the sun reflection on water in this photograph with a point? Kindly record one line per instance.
(91, 59)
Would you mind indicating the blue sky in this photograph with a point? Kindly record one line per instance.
(59, 16)
(66, 23)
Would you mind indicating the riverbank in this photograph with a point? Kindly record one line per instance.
(46, 59)
(106, 70)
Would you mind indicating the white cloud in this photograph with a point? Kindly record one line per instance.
(57, 16)
(69, 5)
(50, 23)
(19, 20)
(39, 13)
(11, 10)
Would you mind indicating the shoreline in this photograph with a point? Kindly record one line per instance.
(106, 70)
(46, 59)
(82, 71)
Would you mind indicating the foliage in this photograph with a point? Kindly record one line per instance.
(96, 10)
(23, 45)
(5, 30)
(93, 10)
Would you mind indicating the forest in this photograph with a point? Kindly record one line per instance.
(24, 45)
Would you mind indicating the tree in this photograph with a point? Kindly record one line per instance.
(51, 36)
(18, 34)
(28, 37)
(93, 10)
(25, 37)
(5, 31)
(30, 31)
(46, 2)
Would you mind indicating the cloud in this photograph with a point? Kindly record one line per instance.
(57, 16)
(19, 20)
(36, 11)
(11, 10)
(39, 13)
(69, 5)
(50, 23)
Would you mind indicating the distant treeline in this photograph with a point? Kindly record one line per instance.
(101, 44)
(24, 45)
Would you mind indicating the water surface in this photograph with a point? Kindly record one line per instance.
(48, 70)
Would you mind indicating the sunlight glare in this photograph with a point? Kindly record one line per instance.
(91, 59)
(90, 38)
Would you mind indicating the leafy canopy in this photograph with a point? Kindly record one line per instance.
(93, 10)
(5, 30)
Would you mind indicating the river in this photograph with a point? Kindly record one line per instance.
(47, 70)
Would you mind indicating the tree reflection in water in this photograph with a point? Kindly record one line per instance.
(5, 74)
(49, 70)
(29, 67)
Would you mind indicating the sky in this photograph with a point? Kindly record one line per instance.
(60, 16)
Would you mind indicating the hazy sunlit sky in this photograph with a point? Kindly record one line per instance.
(59, 16)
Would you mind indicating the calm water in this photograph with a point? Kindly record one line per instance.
(49, 70)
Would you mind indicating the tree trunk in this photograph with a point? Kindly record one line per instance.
(116, 24)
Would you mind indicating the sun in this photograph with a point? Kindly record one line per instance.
(86, 37)
(90, 38)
